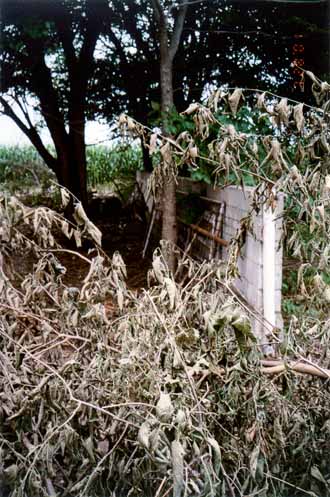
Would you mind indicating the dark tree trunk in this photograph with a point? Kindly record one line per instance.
(169, 225)
(69, 162)
(167, 53)
(147, 162)
(71, 170)
(77, 144)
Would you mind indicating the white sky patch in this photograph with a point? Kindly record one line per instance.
(10, 134)
(98, 132)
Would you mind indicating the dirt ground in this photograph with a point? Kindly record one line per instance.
(122, 233)
(127, 237)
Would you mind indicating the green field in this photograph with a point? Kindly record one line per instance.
(22, 169)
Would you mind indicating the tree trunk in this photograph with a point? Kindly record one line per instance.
(169, 225)
(147, 162)
(167, 53)
(78, 147)
(71, 171)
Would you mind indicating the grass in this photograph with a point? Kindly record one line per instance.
(113, 168)
(22, 170)
(105, 164)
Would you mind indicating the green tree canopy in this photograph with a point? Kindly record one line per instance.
(79, 59)
(48, 57)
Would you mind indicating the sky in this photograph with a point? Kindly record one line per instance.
(10, 134)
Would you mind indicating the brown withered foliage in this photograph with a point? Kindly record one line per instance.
(166, 394)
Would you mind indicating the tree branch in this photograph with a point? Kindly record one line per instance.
(132, 22)
(275, 367)
(31, 134)
(178, 27)
(42, 86)
(158, 10)
(23, 109)
(66, 37)
(93, 30)
(118, 45)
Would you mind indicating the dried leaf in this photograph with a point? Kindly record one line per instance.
(65, 197)
(77, 237)
(283, 111)
(164, 408)
(122, 119)
(326, 294)
(50, 488)
(298, 116)
(193, 152)
(65, 229)
(103, 447)
(94, 232)
(155, 439)
(316, 473)
(321, 211)
(11, 472)
(177, 453)
(251, 433)
(153, 143)
(177, 361)
(235, 99)
(325, 87)
(131, 126)
(192, 108)
(326, 187)
(74, 318)
(120, 298)
(171, 291)
(166, 153)
(144, 435)
(80, 215)
(158, 268)
(119, 264)
(89, 446)
(216, 449)
(312, 77)
(254, 461)
(261, 101)
(216, 97)
(180, 419)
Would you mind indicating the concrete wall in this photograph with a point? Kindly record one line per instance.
(251, 261)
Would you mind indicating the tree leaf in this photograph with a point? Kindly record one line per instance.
(192, 108)
(283, 111)
(298, 116)
(144, 435)
(120, 298)
(94, 232)
(77, 237)
(177, 453)
(153, 143)
(79, 214)
(261, 101)
(65, 197)
(254, 461)
(316, 473)
(158, 268)
(171, 291)
(164, 407)
(234, 100)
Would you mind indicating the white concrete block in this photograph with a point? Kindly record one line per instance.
(250, 264)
